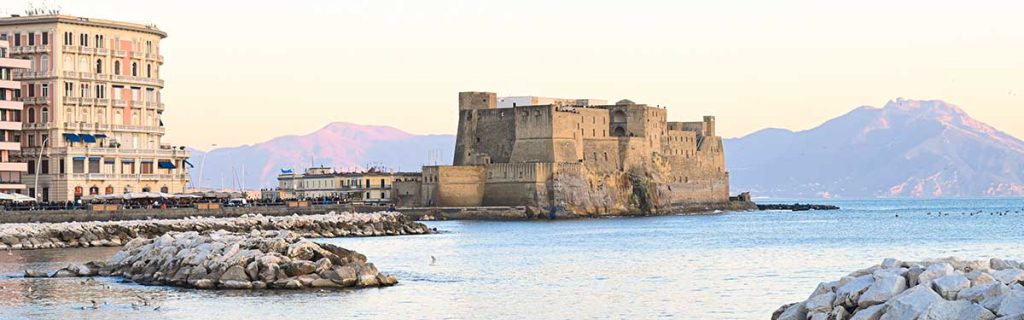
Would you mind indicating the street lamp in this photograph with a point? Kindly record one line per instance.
(202, 167)
(39, 164)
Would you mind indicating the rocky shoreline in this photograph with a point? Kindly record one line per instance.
(224, 260)
(946, 288)
(24, 236)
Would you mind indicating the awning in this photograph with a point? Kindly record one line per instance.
(88, 138)
(72, 137)
(127, 161)
(166, 165)
(188, 163)
(78, 158)
(100, 135)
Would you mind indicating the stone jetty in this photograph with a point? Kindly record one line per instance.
(946, 288)
(21, 236)
(224, 260)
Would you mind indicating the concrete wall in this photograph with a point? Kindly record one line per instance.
(57, 216)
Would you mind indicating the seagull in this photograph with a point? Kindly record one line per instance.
(157, 308)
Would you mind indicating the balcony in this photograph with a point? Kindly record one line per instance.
(10, 84)
(11, 186)
(128, 177)
(13, 167)
(11, 105)
(120, 53)
(138, 80)
(86, 50)
(32, 75)
(10, 125)
(119, 103)
(90, 127)
(69, 49)
(15, 63)
(154, 57)
(37, 126)
(138, 55)
(72, 100)
(10, 146)
(103, 151)
(34, 100)
(102, 51)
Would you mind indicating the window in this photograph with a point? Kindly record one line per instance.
(31, 90)
(69, 38)
(164, 189)
(99, 41)
(78, 165)
(117, 67)
(69, 89)
(149, 71)
(150, 95)
(46, 38)
(149, 46)
(31, 115)
(44, 63)
(44, 116)
(135, 69)
(60, 166)
(17, 39)
(31, 167)
(84, 92)
(136, 94)
(101, 91)
(109, 190)
(31, 38)
(44, 167)
(45, 88)
(94, 190)
(99, 66)
(84, 40)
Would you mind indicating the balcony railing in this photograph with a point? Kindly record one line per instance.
(119, 103)
(120, 53)
(86, 126)
(29, 75)
(128, 177)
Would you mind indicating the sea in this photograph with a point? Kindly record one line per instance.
(732, 265)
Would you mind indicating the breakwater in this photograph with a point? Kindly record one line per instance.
(224, 260)
(534, 213)
(116, 233)
(946, 288)
(796, 207)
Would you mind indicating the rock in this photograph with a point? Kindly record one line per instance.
(947, 286)
(236, 274)
(325, 283)
(64, 273)
(1008, 276)
(882, 289)
(298, 268)
(849, 293)
(979, 277)
(913, 275)
(890, 263)
(979, 293)
(910, 303)
(347, 275)
(236, 285)
(1000, 264)
(1012, 303)
(870, 313)
(796, 311)
(935, 271)
(203, 284)
(36, 274)
(324, 264)
(819, 303)
(960, 309)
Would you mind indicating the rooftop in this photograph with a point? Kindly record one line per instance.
(92, 22)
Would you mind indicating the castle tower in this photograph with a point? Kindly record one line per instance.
(469, 103)
(709, 126)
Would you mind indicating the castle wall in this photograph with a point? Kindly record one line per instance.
(453, 186)
(533, 138)
(510, 184)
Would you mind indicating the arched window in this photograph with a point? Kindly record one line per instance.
(619, 132)
(99, 66)
(135, 69)
(44, 116)
(94, 190)
(117, 67)
(163, 189)
(44, 63)
(31, 115)
(110, 190)
(145, 189)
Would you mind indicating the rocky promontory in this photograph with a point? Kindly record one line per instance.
(20, 236)
(224, 260)
(946, 288)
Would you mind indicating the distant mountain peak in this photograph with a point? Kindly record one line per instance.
(920, 148)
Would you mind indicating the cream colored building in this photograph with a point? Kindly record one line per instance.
(92, 107)
(371, 186)
(10, 122)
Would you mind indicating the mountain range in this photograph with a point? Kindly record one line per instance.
(907, 148)
(340, 145)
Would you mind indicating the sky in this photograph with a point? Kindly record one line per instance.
(242, 72)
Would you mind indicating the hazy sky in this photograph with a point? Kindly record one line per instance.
(241, 72)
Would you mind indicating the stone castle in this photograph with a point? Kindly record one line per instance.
(575, 157)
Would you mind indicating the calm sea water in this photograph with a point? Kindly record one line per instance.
(728, 266)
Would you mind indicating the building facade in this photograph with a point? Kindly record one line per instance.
(92, 108)
(373, 186)
(11, 172)
(578, 156)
